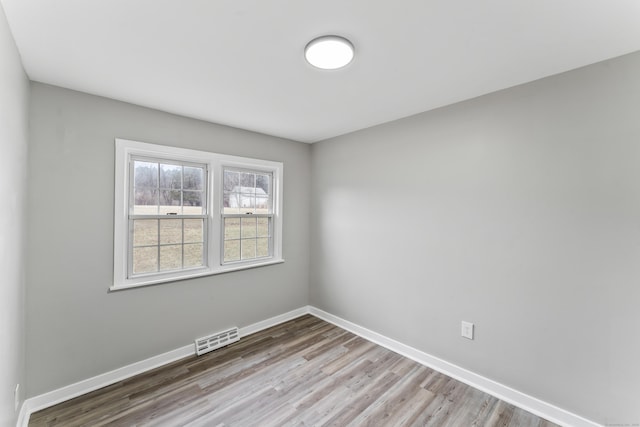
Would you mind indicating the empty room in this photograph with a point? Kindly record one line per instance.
(338, 213)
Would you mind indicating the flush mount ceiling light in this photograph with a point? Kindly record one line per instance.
(329, 52)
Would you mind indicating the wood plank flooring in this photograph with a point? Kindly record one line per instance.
(305, 372)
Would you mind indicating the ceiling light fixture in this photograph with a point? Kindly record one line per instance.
(329, 52)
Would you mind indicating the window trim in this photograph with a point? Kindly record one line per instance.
(216, 163)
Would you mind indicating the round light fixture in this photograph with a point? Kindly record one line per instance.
(329, 52)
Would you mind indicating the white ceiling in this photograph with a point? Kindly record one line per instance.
(240, 62)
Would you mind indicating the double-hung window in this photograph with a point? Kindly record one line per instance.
(167, 216)
(183, 213)
(247, 216)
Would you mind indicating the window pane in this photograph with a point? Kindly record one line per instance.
(230, 205)
(231, 228)
(145, 174)
(248, 228)
(145, 260)
(263, 227)
(231, 202)
(231, 250)
(262, 205)
(247, 203)
(192, 202)
(145, 232)
(193, 255)
(170, 176)
(170, 257)
(170, 202)
(170, 231)
(262, 182)
(248, 249)
(231, 181)
(145, 201)
(193, 178)
(193, 231)
(262, 248)
(247, 180)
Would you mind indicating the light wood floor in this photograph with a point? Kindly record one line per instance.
(305, 372)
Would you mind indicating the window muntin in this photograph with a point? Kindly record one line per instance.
(247, 216)
(167, 216)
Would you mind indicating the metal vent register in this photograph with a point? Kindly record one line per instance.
(217, 340)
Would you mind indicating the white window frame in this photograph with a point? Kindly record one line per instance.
(271, 215)
(215, 163)
(133, 217)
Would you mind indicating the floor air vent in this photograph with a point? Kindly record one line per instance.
(220, 339)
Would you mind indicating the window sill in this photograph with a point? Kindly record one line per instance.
(152, 281)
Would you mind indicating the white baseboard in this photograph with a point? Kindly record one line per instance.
(23, 416)
(501, 391)
(62, 394)
(275, 320)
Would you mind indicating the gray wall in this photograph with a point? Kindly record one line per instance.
(75, 329)
(14, 98)
(518, 211)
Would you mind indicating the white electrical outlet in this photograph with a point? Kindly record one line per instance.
(467, 330)
(16, 397)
